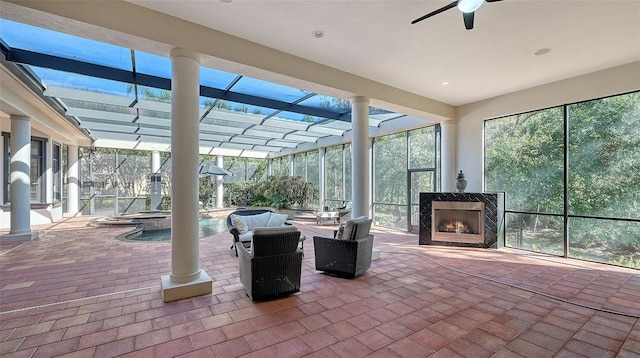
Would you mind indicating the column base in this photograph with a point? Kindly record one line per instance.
(375, 254)
(25, 236)
(172, 291)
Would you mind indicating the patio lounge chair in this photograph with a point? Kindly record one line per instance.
(349, 253)
(242, 230)
(274, 265)
(339, 215)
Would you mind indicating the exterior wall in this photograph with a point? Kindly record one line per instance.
(470, 121)
(41, 213)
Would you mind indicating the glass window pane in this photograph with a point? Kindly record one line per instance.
(541, 233)
(390, 169)
(347, 172)
(604, 157)
(299, 165)
(334, 174)
(608, 241)
(422, 148)
(134, 170)
(330, 103)
(524, 158)
(89, 86)
(59, 44)
(153, 64)
(215, 78)
(393, 216)
(252, 86)
(313, 174)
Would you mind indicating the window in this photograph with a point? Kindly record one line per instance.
(575, 164)
(390, 180)
(37, 181)
(56, 166)
(334, 175)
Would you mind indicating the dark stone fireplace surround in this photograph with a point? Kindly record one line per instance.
(494, 204)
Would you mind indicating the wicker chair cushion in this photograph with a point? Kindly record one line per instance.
(239, 223)
(259, 220)
(261, 247)
(246, 224)
(362, 229)
(277, 220)
(350, 228)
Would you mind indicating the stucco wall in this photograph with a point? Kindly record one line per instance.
(470, 133)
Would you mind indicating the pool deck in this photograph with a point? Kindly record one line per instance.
(76, 291)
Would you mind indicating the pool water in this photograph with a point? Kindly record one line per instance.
(208, 227)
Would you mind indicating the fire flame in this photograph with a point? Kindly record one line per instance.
(455, 226)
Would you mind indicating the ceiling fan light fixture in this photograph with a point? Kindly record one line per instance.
(467, 6)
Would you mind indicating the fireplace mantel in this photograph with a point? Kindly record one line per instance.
(493, 212)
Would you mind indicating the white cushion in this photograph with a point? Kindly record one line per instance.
(275, 230)
(258, 220)
(350, 226)
(246, 237)
(239, 223)
(277, 220)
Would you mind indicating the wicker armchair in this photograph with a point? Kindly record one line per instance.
(274, 265)
(349, 256)
(262, 219)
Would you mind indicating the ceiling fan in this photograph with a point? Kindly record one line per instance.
(468, 8)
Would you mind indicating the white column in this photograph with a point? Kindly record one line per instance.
(322, 191)
(155, 162)
(156, 181)
(448, 156)
(220, 183)
(360, 171)
(20, 179)
(73, 179)
(186, 278)
(270, 167)
(291, 165)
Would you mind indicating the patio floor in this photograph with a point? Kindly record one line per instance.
(79, 292)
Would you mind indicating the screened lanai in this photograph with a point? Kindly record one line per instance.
(122, 98)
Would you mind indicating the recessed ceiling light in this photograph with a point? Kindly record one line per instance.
(317, 33)
(542, 51)
(226, 1)
(445, 83)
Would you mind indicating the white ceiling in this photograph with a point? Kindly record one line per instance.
(375, 40)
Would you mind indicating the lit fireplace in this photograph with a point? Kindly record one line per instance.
(455, 221)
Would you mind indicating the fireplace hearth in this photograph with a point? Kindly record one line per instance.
(462, 219)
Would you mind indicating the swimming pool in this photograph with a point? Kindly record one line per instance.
(208, 227)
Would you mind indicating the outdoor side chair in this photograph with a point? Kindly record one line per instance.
(273, 266)
(348, 256)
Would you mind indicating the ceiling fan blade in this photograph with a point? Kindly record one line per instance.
(492, 0)
(468, 19)
(436, 12)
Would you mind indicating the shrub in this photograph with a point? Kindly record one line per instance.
(278, 192)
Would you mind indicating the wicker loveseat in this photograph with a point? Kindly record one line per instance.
(273, 265)
(242, 230)
(349, 253)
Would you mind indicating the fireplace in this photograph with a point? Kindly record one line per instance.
(456, 221)
(462, 219)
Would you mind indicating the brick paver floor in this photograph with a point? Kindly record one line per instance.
(77, 291)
